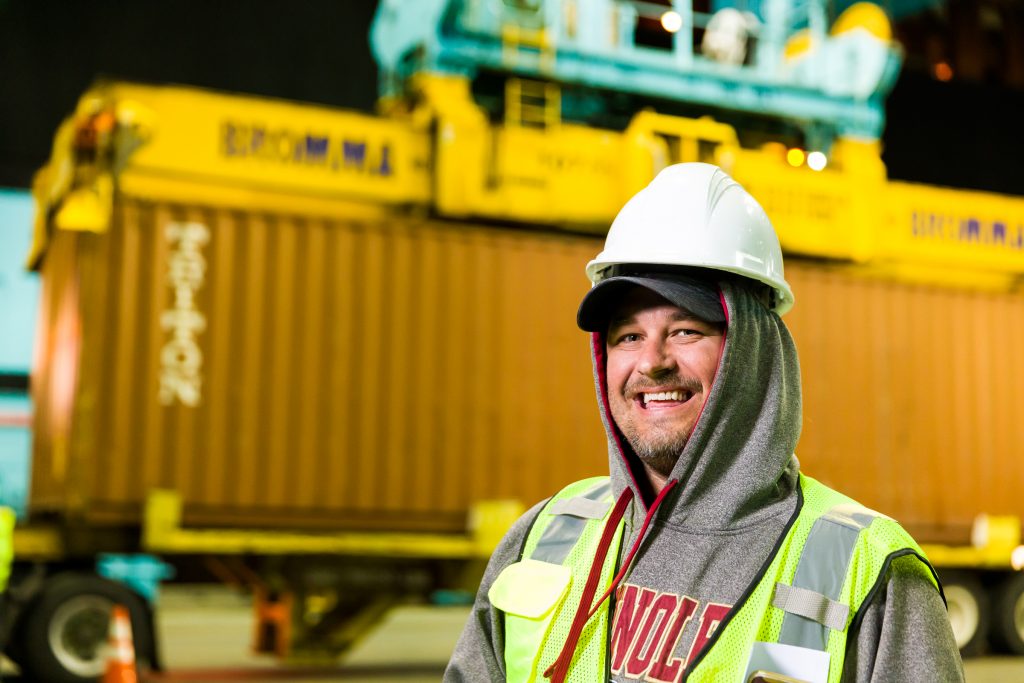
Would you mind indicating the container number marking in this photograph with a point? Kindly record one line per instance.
(181, 359)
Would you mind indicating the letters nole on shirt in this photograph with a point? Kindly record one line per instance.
(648, 629)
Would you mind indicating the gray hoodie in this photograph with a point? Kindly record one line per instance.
(717, 529)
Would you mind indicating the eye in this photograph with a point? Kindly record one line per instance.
(688, 334)
(627, 338)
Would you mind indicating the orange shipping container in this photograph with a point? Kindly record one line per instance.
(299, 372)
(384, 373)
(912, 396)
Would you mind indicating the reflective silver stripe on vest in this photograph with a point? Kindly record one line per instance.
(822, 570)
(580, 507)
(566, 528)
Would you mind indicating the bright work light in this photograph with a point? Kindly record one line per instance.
(817, 161)
(671, 21)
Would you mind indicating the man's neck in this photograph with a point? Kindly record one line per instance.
(656, 479)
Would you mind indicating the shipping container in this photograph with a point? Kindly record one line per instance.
(303, 372)
(911, 396)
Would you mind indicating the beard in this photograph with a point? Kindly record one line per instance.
(658, 449)
(657, 446)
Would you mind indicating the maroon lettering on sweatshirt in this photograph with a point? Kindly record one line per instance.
(647, 630)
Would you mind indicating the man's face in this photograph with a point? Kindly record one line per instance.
(661, 363)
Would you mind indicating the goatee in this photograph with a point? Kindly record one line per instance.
(658, 454)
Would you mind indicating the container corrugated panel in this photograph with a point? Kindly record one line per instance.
(386, 374)
(912, 396)
(375, 374)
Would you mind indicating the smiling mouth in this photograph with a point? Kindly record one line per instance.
(664, 398)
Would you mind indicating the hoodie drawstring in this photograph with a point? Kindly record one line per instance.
(559, 669)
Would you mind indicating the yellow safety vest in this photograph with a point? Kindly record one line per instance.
(830, 561)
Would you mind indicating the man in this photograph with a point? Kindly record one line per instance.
(707, 556)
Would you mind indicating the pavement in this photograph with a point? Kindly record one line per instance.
(206, 635)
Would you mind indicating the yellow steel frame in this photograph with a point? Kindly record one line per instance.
(444, 153)
(968, 556)
(163, 532)
(995, 544)
(38, 543)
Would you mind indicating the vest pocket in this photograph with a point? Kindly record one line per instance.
(528, 592)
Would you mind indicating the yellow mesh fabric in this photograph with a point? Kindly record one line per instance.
(588, 663)
(876, 543)
(758, 620)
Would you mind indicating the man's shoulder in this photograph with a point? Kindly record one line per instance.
(520, 529)
(883, 539)
(824, 500)
(515, 537)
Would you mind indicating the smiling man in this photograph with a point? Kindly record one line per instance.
(661, 364)
(706, 555)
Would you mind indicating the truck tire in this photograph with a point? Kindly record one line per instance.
(968, 610)
(63, 632)
(1008, 617)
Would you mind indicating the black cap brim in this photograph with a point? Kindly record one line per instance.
(698, 297)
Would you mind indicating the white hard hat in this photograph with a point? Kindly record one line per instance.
(695, 215)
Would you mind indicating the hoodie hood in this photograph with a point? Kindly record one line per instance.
(738, 465)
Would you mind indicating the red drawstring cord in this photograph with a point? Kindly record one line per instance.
(633, 550)
(559, 669)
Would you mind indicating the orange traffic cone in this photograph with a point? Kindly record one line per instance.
(121, 655)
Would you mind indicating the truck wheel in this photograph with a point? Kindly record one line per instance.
(1008, 620)
(968, 610)
(63, 632)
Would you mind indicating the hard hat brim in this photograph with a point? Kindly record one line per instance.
(698, 297)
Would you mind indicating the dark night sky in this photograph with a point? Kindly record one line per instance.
(52, 50)
(956, 134)
(959, 134)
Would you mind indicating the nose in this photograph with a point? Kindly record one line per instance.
(654, 361)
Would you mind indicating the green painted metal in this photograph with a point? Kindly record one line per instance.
(836, 88)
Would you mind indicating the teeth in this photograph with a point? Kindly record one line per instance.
(663, 396)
